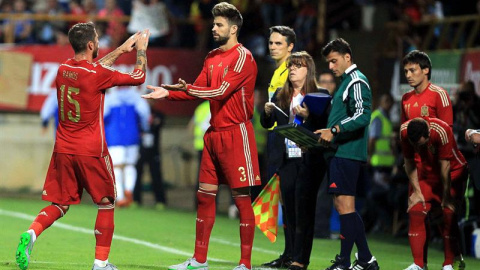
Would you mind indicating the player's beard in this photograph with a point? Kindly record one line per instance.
(221, 40)
(95, 53)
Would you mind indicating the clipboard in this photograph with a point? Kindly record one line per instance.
(317, 103)
(298, 134)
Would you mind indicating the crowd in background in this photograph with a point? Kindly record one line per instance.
(174, 23)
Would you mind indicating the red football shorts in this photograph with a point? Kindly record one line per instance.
(68, 175)
(230, 157)
(432, 190)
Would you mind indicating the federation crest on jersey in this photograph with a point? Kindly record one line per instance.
(225, 70)
(424, 110)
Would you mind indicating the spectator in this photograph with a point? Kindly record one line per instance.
(22, 27)
(49, 110)
(473, 136)
(326, 80)
(115, 29)
(46, 32)
(126, 117)
(381, 160)
(272, 12)
(75, 8)
(201, 16)
(153, 15)
(150, 154)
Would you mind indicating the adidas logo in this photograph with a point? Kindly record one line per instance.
(199, 220)
(257, 178)
(333, 185)
(43, 213)
(221, 64)
(44, 192)
(415, 105)
(342, 237)
(97, 232)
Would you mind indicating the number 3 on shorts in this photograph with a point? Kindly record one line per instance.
(243, 178)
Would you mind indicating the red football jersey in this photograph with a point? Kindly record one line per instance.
(81, 92)
(228, 81)
(441, 145)
(433, 102)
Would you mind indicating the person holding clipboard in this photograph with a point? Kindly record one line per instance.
(301, 172)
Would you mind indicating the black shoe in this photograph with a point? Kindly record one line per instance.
(371, 265)
(338, 264)
(280, 262)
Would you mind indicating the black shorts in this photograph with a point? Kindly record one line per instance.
(343, 175)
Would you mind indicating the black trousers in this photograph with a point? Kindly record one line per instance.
(300, 180)
(153, 159)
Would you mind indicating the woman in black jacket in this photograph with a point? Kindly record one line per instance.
(301, 172)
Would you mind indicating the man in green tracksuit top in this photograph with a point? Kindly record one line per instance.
(347, 129)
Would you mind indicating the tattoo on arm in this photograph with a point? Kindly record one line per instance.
(141, 60)
(110, 58)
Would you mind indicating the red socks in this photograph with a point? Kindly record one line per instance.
(104, 226)
(247, 228)
(450, 233)
(205, 221)
(46, 217)
(417, 234)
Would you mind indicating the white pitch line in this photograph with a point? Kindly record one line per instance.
(225, 242)
(115, 236)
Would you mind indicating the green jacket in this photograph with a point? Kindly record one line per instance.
(351, 110)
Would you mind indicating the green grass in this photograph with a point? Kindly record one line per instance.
(149, 239)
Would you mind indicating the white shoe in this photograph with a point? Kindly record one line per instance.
(448, 267)
(241, 267)
(413, 266)
(190, 264)
(109, 266)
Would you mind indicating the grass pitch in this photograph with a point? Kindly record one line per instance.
(149, 239)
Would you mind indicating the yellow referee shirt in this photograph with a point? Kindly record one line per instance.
(280, 76)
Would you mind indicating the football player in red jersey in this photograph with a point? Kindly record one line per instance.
(425, 99)
(439, 182)
(80, 157)
(230, 155)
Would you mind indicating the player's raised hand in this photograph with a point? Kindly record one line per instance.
(180, 86)
(158, 92)
(128, 45)
(142, 41)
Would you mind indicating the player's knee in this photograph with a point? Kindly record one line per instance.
(106, 201)
(63, 208)
(208, 188)
(418, 211)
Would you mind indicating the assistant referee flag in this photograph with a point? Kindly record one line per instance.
(265, 208)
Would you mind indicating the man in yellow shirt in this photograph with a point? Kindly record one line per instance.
(280, 45)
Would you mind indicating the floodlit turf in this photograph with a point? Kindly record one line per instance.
(149, 239)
